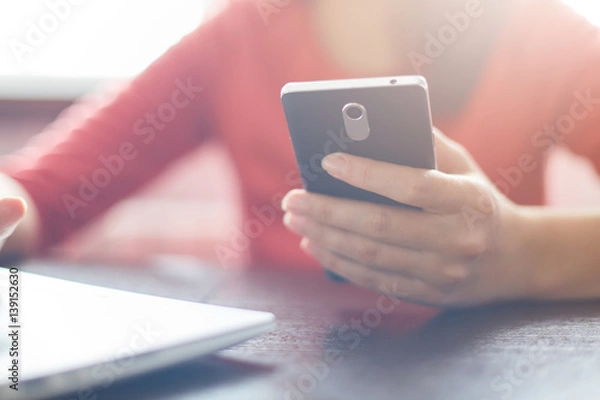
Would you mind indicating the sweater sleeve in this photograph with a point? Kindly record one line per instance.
(583, 106)
(563, 55)
(98, 152)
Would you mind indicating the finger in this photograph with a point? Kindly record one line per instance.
(412, 264)
(451, 157)
(393, 225)
(12, 210)
(391, 284)
(431, 190)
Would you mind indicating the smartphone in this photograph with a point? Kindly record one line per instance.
(386, 119)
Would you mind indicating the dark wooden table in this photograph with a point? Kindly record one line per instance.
(398, 351)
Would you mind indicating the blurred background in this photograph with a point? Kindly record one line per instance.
(91, 45)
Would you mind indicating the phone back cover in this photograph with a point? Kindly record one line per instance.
(400, 123)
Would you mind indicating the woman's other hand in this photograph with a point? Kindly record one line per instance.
(12, 211)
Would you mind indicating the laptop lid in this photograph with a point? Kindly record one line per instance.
(60, 336)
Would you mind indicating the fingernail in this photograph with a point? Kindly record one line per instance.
(304, 243)
(294, 222)
(294, 202)
(335, 164)
(306, 246)
(12, 209)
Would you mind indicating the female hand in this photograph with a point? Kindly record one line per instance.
(12, 210)
(460, 248)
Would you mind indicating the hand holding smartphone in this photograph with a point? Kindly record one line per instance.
(386, 119)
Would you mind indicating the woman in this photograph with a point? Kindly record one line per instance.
(509, 80)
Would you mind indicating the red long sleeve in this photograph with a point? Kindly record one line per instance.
(95, 154)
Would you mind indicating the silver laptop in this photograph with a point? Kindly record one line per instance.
(61, 337)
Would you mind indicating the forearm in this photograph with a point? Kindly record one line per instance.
(24, 241)
(562, 249)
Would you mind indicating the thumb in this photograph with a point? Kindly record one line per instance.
(12, 211)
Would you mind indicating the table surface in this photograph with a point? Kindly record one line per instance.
(320, 349)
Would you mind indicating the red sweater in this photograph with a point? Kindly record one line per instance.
(539, 87)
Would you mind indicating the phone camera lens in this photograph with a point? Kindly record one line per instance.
(394, 81)
(354, 112)
(356, 121)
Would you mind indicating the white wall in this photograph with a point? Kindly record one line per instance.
(94, 38)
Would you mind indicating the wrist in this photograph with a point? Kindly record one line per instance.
(530, 241)
(559, 253)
